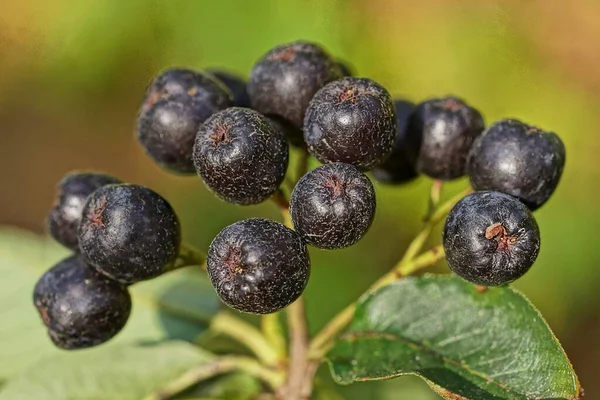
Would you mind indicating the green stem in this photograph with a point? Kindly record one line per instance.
(188, 256)
(218, 367)
(298, 350)
(321, 342)
(246, 334)
(273, 331)
(302, 165)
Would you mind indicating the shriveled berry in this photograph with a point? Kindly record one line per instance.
(519, 159)
(490, 238)
(176, 103)
(439, 135)
(398, 167)
(284, 80)
(129, 233)
(73, 190)
(258, 266)
(333, 206)
(236, 85)
(240, 156)
(351, 120)
(80, 307)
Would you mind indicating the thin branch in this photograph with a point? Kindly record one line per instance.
(273, 331)
(218, 367)
(246, 334)
(189, 256)
(298, 350)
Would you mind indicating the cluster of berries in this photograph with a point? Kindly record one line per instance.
(236, 135)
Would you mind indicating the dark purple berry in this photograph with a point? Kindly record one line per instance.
(235, 84)
(490, 238)
(284, 80)
(398, 168)
(73, 190)
(518, 159)
(258, 266)
(129, 233)
(439, 135)
(240, 156)
(333, 206)
(351, 120)
(80, 307)
(176, 103)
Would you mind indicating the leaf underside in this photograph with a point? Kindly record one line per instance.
(464, 343)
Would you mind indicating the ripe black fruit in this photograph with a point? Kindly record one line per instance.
(518, 159)
(258, 266)
(176, 103)
(80, 307)
(398, 168)
(351, 120)
(73, 190)
(240, 156)
(284, 80)
(235, 84)
(333, 206)
(129, 233)
(440, 134)
(490, 238)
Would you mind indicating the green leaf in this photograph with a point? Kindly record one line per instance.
(235, 386)
(175, 306)
(124, 372)
(465, 344)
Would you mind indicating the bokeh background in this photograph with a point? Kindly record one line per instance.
(72, 75)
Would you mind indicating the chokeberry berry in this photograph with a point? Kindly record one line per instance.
(439, 135)
(490, 238)
(518, 159)
(80, 307)
(240, 156)
(258, 266)
(398, 168)
(73, 190)
(176, 103)
(333, 206)
(284, 80)
(351, 120)
(235, 84)
(129, 233)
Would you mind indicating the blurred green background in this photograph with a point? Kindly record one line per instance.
(72, 75)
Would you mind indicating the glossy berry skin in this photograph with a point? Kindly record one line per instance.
(241, 156)
(176, 103)
(235, 84)
(490, 238)
(258, 266)
(333, 206)
(518, 159)
(439, 135)
(398, 168)
(284, 80)
(80, 307)
(129, 233)
(351, 120)
(73, 190)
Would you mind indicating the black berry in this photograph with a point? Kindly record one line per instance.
(439, 135)
(351, 120)
(235, 84)
(258, 266)
(398, 168)
(240, 156)
(129, 233)
(490, 238)
(284, 80)
(333, 206)
(80, 307)
(73, 190)
(518, 159)
(176, 103)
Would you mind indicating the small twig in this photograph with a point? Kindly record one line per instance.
(280, 199)
(246, 334)
(218, 367)
(273, 331)
(188, 256)
(298, 350)
(302, 165)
